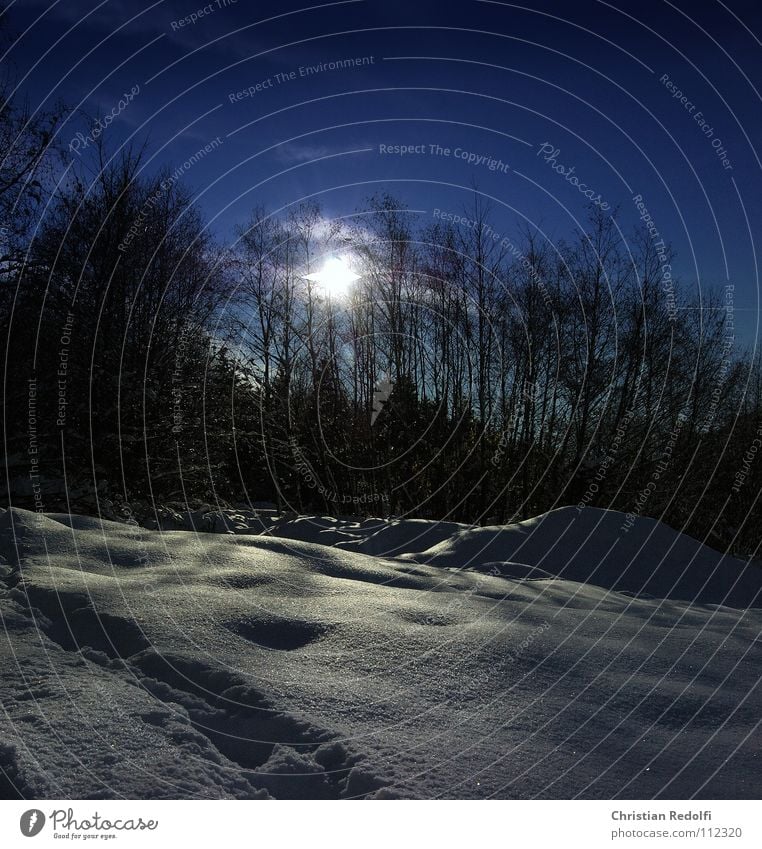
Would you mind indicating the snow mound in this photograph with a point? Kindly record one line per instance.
(404, 536)
(600, 547)
(323, 530)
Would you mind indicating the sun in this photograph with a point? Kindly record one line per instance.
(335, 277)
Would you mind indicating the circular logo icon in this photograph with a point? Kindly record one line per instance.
(32, 822)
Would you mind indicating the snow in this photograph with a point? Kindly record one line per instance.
(312, 657)
(599, 547)
(403, 537)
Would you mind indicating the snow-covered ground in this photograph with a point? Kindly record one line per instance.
(568, 656)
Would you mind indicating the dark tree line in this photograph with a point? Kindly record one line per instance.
(524, 375)
(466, 374)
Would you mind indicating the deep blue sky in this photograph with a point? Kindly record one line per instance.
(495, 79)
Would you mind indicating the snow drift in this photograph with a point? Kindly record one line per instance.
(600, 547)
(556, 658)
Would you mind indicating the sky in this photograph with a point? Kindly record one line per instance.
(648, 108)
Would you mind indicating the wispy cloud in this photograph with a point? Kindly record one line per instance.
(294, 152)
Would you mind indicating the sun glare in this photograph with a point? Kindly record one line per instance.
(335, 277)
